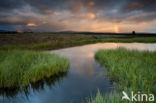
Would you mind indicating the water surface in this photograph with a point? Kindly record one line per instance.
(83, 78)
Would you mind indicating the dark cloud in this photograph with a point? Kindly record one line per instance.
(17, 19)
(140, 5)
(57, 14)
(43, 5)
(141, 18)
(7, 5)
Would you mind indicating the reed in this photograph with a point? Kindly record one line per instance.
(18, 68)
(132, 70)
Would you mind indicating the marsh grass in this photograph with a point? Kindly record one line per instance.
(131, 70)
(67, 43)
(18, 68)
(113, 97)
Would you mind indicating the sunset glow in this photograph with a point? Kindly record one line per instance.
(31, 24)
(91, 3)
(19, 31)
(74, 51)
(91, 15)
(116, 29)
(79, 15)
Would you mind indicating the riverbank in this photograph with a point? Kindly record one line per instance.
(57, 41)
(18, 68)
(130, 70)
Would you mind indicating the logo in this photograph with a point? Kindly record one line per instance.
(137, 97)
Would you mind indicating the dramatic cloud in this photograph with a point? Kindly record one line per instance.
(78, 15)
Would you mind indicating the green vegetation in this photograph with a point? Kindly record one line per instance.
(131, 70)
(113, 97)
(18, 68)
(66, 43)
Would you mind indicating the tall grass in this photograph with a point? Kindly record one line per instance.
(18, 68)
(113, 97)
(131, 70)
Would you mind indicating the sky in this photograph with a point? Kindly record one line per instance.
(78, 15)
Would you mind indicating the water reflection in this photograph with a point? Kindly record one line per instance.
(37, 86)
(84, 77)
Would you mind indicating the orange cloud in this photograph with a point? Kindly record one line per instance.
(91, 3)
(91, 15)
(31, 24)
(51, 12)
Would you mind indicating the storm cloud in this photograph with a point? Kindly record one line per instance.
(78, 15)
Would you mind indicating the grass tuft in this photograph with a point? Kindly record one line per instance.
(131, 70)
(113, 97)
(18, 68)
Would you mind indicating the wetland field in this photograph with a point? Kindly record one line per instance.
(76, 68)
